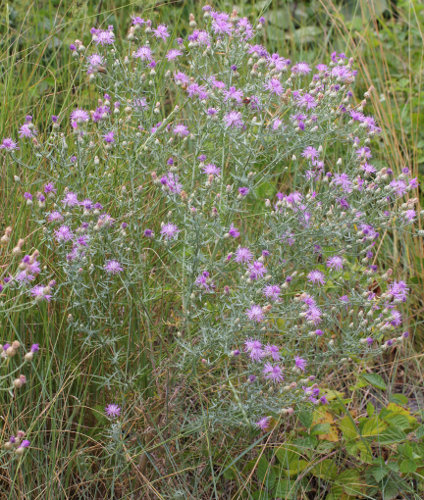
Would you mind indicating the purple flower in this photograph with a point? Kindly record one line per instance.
(27, 132)
(343, 181)
(79, 116)
(301, 68)
(233, 93)
(9, 144)
(40, 292)
(233, 232)
(173, 54)
(113, 411)
(70, 200)
(211, 169)
(272, 292)
(113, 267)
(335, 262)
(256, 270)
(63, 234)
(255, 313)
(144, 53)
(300, 363)
(263, 423)
(161, 32)
(233, 119)
(273, 373)
(55, 216)
(109, 137)
(181, 130)
(274, 86)
(104, 37)
(316, 277)
(310, 152)
(169, 231)
(254, 348)
(243, 254)
(273, 351)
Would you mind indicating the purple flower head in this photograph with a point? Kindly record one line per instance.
(255, 350)
(233, 232)
(256, 270)
(273, 373)
(233, 119)
(113, 411)
(272, 292)
(211, 169)
(316, 277)
(144, 53)
(109, 137)
(243, 254)
(161, 32)
(40, 292)
(273, 351)
(263, 423)
(113, 267)
(255, 313)
(79, 116)
(70, 200)
(335, 262)
(169, 231)
(181, 130)
(300, 363)
(9, 144)
(63, 234)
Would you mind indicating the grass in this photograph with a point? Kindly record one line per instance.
(69, 383)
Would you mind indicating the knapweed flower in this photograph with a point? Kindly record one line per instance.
(243, 254)
(169, 231)
(273, 373)
(233, 119)
(399, 291)
(263, 423)
(256, 270)
(211, 169)
(144, 53)
(233, 231)
(63, 234)
(173, 54)
(255, 313)
(113, 267)
(300, 363)
(272, 292)
(40, 292)
(8, 144)
(161, 32)
(181, 130)
(316, 277)
(254, 349)
(273, 351)
(335, 262)
(70, 200)
(113, 411)
(79, 116)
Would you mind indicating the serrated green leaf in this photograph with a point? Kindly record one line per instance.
(408, 466)
(375, 380)
(373, 426)
(320, 429)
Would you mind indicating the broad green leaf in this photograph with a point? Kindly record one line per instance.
(375, 380)
(372, 427)
(407, 466)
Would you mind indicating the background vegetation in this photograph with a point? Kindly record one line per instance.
(367, 446)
